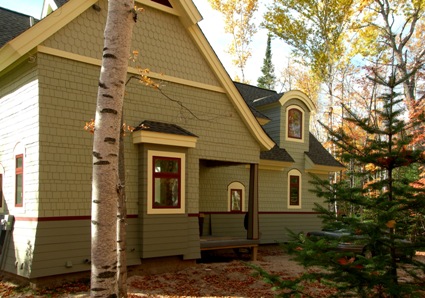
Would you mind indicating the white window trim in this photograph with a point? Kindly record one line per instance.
(302, 124)
(236, 185)
(182, 157)
(294, 172)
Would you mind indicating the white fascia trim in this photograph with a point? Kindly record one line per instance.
(151, 137)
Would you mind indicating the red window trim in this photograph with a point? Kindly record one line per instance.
(291, 187)
(166, 175)
(19, 171)
(240, 198)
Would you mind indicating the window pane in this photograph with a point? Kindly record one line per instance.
(18, 190)
(19, 162)
(294, 190)
(294, 124)
(166, 192)
(236, 200)
(166, 165)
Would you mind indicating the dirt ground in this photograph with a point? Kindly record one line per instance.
(220, 274)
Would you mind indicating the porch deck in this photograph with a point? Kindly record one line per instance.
(216, 243)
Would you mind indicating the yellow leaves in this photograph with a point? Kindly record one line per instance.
(89, 126)
(391, 224)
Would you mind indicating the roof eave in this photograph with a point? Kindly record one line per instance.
(28, 40)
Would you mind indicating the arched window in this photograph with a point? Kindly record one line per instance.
(295, 123)
(236, 196)
(294, 189)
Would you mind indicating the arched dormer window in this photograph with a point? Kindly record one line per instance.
(295, 123)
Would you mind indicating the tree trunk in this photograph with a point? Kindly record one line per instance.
(122, 221)
(117, 42)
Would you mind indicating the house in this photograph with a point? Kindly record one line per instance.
(206, 152)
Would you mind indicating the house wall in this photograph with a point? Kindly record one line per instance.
(58, 150)
(19, 114)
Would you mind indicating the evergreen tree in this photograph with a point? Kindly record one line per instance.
(380, 205)
(268, 80)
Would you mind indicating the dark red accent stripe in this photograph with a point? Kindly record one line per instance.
(62, 218)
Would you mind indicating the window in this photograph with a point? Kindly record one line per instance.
(294, 189)
(236, 200)
(236, 196)
(166, 182)
(19, 180)
(1, 191)
(295, 124)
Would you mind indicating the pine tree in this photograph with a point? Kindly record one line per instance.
(379, 207)
(268, 80)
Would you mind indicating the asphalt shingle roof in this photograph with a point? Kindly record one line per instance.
(319, 155)
(256, 96)
(12, 24)
(276, 153)
(164, 128)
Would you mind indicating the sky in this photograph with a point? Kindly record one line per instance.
(213, 27)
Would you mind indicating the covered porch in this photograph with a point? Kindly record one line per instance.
(229, 215)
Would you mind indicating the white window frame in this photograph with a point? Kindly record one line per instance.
(302, 124)
(165, 154)
(294, 172)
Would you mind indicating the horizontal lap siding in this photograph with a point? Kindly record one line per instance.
(228, 225)
(59, 242)
(274, 227)
(170, 235)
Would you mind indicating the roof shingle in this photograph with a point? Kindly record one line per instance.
(12, 24)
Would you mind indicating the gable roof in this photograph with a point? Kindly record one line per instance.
(29, 41)
(13, 23)
(319, 155)
(256, 96)
(276, 153)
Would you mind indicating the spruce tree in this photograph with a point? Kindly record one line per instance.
(268, 79)
(379, 206)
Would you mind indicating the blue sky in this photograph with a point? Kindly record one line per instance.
(29, 7)
(212, 25)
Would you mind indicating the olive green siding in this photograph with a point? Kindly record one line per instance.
(163, 44)
(58, 96)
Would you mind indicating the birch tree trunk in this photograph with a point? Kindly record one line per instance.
(117, 43)
(122, 220)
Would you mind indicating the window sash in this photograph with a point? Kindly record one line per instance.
(236, 200)
(294, 190)
(19, 180)
(295, 124)
(166, 182)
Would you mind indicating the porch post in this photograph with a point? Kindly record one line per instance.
(253, 223)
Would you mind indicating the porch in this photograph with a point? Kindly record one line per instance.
(217, 243)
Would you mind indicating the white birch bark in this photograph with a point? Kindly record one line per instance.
(117, 43)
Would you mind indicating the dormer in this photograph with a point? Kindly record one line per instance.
(296, 108)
